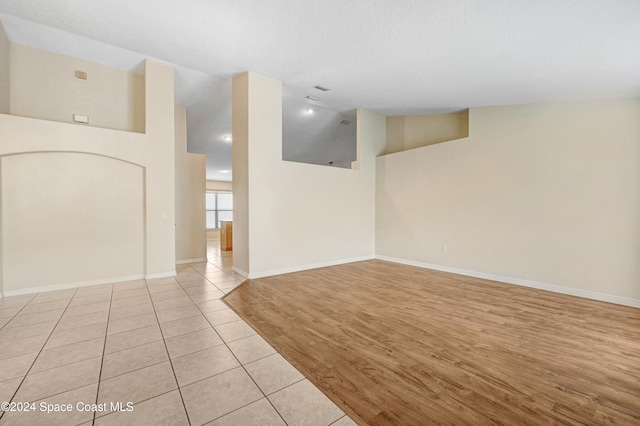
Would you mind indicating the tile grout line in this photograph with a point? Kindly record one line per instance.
(17, 313)
(229, 349)
(74, 296)
(41, 349)
(267, 398)
(62, 346)
(104, 346)
(164, 342)
(130, 347)
(137, 369)
(304, 378)
(234, 355)
(112, 293)
(139, 402)
(27, 325)
(242, 365)
(215, 346)
(333, 423)
(61, 365)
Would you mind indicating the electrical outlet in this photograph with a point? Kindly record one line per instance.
(80, 118)
(445, 248)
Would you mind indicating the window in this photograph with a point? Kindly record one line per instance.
(219, 207)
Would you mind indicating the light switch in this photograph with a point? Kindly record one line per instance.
(164, 215)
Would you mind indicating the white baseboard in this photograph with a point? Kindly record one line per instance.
(160, 275)
(306, 267)
(65, 286)
(603, 297)
(199, 259)
(240, 271)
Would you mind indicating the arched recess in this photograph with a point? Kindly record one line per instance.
(70, 218)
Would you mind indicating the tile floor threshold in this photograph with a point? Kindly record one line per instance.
(165, 351)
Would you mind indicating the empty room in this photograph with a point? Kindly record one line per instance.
(366, 212)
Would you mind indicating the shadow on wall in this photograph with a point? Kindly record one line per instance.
(406, 132)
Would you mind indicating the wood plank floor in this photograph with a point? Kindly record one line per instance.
(394, 344)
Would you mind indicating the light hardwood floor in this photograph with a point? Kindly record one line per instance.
(394, 344)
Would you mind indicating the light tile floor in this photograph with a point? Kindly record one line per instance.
(170, 347)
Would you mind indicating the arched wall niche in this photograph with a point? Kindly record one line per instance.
(78, 216)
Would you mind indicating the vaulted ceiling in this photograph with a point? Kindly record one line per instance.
(393, 57)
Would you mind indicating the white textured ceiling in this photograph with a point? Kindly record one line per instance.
(390, 56)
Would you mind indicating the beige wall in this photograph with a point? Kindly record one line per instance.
(159, 158)
(241, 168)
(43, 85)
(414, 131)
(5, 69)
(191, 235)
(23, 142)
(5, 55)
(299, 215)
(544, 193)
(217, 185)
(66, 219)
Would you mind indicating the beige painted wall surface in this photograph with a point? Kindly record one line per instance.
(43, 85)
(159, 157)
(301, 214)
(218, 185)
(153, 152)
(5, 88)
(240, 177)
(395, 134)
(70, 217)
(190, 196)
(415, 131)
(5, 70)
(548, 193)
